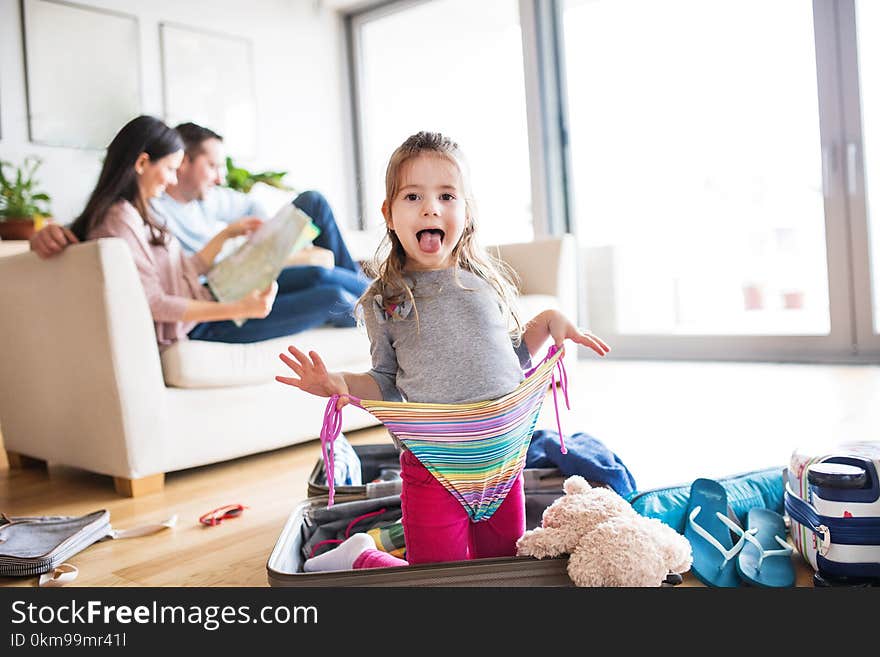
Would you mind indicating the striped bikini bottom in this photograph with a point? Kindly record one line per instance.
(476, 451)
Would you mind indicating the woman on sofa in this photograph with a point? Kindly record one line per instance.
(141, 161)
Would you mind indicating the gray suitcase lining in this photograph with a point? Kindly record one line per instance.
(285, 565)
(542, 486)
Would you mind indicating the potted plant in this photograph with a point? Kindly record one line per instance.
(241, 179)
(21, 204)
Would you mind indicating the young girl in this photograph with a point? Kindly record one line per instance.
(439, 320)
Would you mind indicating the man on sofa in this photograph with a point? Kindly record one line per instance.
(198, 207)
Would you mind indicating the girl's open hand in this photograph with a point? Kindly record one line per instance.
(562, 329)
(312, 376)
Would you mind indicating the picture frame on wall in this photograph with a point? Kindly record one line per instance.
(208, 78)
(82, 72)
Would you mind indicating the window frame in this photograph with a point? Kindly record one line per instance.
(867, 342)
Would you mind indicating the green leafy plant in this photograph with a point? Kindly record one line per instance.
(242, 180)
(19, 198)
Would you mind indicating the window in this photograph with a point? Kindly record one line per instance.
(450, 66)
(707, 180)
(697, 164)
(718, 162)
(868, 25)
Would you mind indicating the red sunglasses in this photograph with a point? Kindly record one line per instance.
(217, 516)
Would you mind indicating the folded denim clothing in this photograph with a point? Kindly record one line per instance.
(587, 456)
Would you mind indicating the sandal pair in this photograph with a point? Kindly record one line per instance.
(760, 556)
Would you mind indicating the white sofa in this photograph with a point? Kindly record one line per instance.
(83, 384)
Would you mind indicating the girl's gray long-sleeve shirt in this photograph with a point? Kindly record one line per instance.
(459, 350)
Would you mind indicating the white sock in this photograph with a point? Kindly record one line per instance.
(343, 556)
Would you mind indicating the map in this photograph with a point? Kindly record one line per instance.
(260, 260)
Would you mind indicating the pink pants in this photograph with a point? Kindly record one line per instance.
(437, 528)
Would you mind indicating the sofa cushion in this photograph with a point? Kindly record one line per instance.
(201, 364)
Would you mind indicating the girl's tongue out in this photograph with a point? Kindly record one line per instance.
(430, 240)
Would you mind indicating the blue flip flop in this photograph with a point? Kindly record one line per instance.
(708, 530)
(765, 559)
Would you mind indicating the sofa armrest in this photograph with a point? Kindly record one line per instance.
(545, 267)
(80, 382)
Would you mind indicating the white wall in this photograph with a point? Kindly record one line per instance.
(301, 93)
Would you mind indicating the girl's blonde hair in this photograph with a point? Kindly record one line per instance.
(389, 262)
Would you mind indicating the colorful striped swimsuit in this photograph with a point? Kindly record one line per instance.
(477, 450)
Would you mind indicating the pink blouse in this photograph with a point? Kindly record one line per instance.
(170, 278)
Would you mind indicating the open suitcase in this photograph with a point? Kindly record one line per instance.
(285, 563)
(833, 501)
(542, 486)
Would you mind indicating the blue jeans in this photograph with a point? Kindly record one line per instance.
(315, 205)
(308, 296)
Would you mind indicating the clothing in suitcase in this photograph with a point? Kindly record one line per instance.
(379, 463)
(380, 474)
(833, 501)
(311, 522)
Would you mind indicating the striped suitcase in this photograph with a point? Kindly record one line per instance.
(832, 498)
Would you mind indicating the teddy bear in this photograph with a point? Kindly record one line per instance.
(609, 543)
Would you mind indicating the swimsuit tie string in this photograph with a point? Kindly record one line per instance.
(329, 433)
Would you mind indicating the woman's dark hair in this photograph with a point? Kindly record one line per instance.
(118, 180)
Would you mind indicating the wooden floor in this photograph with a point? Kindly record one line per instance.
(668, 422)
